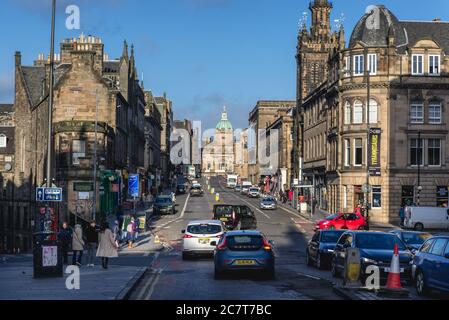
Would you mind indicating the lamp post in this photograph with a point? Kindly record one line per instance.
(368, 128)
(50, 111)
(419, 168)
(94, 207)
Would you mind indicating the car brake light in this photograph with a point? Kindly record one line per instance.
(233, 215)
(266, 245)
(187, 236)
(223, 245)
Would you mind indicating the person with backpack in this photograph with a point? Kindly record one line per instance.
(77, 245)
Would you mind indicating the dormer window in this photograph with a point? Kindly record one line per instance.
(434, 65)
(3, 141)
(417, 64)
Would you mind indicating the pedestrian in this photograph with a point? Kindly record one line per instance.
(107, 245)
(77, 245)
(65, 237)
(91, 233)
(125, 223)
(116, 230)
(402, 215)
(130, 229)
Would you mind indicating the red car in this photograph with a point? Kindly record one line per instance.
(342, 221)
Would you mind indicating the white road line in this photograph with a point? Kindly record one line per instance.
(177, 219)
(153, 285)
(295, 214)
(309, 276)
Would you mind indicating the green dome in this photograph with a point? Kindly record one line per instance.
(224, 123)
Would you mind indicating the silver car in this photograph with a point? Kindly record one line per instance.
(268, 203)
(198, 237)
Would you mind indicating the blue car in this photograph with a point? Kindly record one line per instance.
(430, 266)
(320, 248)
(244, 251)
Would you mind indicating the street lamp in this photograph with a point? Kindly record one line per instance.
(368, 128)
(419, 169)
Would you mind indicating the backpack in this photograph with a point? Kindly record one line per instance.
(130, 227)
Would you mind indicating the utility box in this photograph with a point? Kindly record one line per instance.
(47, 256)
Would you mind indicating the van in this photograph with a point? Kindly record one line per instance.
(420, 218)
(246, 186)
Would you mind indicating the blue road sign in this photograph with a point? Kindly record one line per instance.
(48, 194)
(133, 185)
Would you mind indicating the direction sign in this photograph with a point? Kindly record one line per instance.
(48, 194)
(133, 185)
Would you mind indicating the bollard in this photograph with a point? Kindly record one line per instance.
(212, 191)
(217, 197)
(352, 268)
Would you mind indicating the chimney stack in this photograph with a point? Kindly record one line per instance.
(18, 58)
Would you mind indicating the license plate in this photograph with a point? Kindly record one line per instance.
(204, 241)
(245, 262)
(388, 270)
(223, 219)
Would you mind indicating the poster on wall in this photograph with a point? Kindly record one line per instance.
(50, 256)
(374, 151)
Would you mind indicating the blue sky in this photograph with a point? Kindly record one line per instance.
(203, 53)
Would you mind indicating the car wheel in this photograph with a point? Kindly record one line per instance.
(421, 286)
(319, 264)
(334, 270)
(185, 256)
(419, 227)
(218, 275)
(308, 260)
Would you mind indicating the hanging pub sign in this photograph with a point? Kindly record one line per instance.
(374, 151)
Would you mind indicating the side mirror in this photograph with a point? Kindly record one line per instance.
(213, 243)
(183, 231)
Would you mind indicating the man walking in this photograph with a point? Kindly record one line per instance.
(92, 242)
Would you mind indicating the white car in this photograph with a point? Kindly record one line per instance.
(199, 236)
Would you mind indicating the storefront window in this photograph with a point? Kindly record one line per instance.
(377, 197)
(407, 195)
(442, 196)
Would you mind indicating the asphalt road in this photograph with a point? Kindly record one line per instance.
(172, 278)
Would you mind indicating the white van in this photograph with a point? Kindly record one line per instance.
(419, 218)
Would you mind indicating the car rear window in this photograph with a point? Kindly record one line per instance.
(245, 243)
(331, 236)
(378, 241)
(204, 229)
(254, 190)
(223, 210)
(415, 238)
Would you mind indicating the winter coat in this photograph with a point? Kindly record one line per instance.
(91, 234)
(65, 236)
(77, 239)
(106, 245)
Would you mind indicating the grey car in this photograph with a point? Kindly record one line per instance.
(268, 203)
(164, 205)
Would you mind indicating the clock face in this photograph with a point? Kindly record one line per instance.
(8, 167)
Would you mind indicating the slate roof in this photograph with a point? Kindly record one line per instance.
(407, 33)
(6, 108)
(437, 31)
(35, 75)
(112, 66)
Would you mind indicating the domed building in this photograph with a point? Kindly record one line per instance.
(218, 152)
(381, 114)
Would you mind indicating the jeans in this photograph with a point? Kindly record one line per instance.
(91, 246)
(124, 235)
(78, 254)
(65, 253)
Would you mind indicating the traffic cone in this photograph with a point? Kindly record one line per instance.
(394, 286)
(157, 240)
(394, 276)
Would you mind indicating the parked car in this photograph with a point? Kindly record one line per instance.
(430, 267)
(196, 190)
(254, 192)
(412, 239)
(199, 236)
(376, 248)
(420, 218)
(238, 188)
(268, 203)
(320, 248)
(235, 216)
(342, 221)
(244, 251)
(164, 205)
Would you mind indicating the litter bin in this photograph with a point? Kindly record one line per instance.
(47, 255)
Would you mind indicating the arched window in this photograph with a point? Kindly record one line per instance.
(373, 111)
(3, 141)
(358, 112)
(347, 113)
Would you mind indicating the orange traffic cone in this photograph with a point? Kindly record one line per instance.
(394, 276)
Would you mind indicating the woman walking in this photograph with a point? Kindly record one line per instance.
(65, 236)
(130, 230)
(107, 246)
(77, 245)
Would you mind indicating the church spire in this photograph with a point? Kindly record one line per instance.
(321, 24)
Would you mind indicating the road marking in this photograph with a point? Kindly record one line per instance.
(153, 285)
(295, 214)
(309, 276)
(163, 226)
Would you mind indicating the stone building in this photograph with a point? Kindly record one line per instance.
(165, 107)
(88, 88)
(218, 153)
(263, 115)
(153, 131)
(241, 154)
(313, 49)
(404, 66)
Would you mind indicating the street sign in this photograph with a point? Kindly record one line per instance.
(48, 194)
(133, 185)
